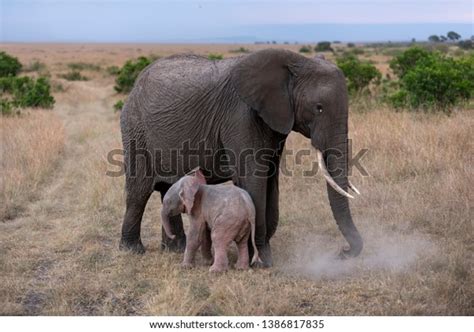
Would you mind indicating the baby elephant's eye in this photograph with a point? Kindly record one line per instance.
(319, 108)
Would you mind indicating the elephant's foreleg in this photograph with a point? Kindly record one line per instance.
(272, 211)
(257, 189)
(137, 194)
(192, 244)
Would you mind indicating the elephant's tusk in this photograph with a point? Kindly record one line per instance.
(328, 177)
(354, 188)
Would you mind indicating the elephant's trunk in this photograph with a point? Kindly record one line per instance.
(165, 219)
(336, 160)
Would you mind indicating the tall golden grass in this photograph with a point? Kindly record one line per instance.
(31, 145)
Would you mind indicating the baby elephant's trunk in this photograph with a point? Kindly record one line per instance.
(255, 258)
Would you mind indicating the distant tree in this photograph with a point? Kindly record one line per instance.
(305, 49)
(434, 39)
(350, 45)
(323, 47)
(274, 42)
(453, 36)
(443, 38)
(466, 44)
(413, 40)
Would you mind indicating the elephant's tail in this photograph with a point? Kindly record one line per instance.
(255, 258)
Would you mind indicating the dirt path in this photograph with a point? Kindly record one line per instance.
(53, 218)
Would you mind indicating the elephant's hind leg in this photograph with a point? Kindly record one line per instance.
(206, 245)
(243, 253)
(220, 243)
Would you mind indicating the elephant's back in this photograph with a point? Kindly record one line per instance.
(180, 71)
(170, 85)
(238, 196)
(184, 75)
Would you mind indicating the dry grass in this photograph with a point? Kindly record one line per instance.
(60, 256)
(31, 145)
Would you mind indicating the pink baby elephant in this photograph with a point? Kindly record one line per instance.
(219, 214)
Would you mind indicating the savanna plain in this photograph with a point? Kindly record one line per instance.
(61, 214)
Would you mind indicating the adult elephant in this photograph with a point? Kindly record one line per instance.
(231, 118)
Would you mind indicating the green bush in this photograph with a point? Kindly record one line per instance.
(9, 65)
(118, 106)
(305, 49)
(112, 70)
(38, 94)
(6, 107)
(26, 92)
(240, 50)
(407, 60)
(74, 76)
(6, 85)
(432, 81)
(129, 73)
(78, 66)
(216, 56)
(359, 74)
(323, 46)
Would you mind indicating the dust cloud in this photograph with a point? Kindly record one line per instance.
(316, 256)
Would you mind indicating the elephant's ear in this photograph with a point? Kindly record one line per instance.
(188, 192)
(261, 80)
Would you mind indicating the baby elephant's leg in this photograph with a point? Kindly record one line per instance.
(220, 243)
(243, 249)
(192, 244)
(206, 244)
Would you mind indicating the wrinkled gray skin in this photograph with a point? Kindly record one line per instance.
(253, 101)
(219, 215)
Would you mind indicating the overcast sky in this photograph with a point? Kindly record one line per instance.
(188, 20)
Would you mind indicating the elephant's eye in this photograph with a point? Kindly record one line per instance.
(319, 108)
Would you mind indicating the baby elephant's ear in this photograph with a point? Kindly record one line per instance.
(188, 194)
(200, 177)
